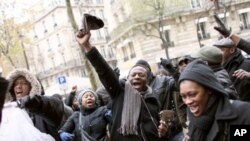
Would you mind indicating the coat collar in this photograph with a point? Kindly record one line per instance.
(224, 113)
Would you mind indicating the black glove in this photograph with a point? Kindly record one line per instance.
(167, 64)
(89, 22)
(28, 102)
(221, 28)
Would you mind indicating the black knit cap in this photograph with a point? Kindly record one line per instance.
(201, 73)
(143, 63)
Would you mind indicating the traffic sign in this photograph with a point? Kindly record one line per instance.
(62, 80)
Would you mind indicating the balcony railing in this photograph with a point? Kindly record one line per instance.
(60, 68)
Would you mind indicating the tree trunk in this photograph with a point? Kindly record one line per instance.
(87, 65)
(11, 61)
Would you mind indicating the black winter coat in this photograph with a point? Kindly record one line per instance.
(237, 61)
(116, 91)
(244, 45)
(94, 123)
(223, 77)
(227, 114)
(46, 114)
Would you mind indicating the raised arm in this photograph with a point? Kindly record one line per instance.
(106, 75)
(227, 33)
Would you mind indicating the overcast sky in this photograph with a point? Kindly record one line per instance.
(16, 8)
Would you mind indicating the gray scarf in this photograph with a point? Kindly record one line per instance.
(131, 109)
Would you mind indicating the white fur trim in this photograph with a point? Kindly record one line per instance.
(36, 88)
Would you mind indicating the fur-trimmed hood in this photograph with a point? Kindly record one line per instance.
(36, 88)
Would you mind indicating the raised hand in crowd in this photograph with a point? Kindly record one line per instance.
(238, 41)
(221, 28)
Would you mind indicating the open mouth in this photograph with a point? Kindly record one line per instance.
(90, 102)
(19, 95)
(194, 109)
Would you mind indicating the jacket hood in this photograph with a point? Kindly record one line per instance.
(36, 88)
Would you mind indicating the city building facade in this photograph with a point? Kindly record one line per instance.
(186, 25)
(55, 51)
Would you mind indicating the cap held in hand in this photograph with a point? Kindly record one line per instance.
(89, 22)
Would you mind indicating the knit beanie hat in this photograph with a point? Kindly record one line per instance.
(201, 73)
(144, 63)
(210, 54)
(83, 92)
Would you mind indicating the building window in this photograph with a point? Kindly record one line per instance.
(99, 35)
(166, 36)
(48, 44)
(38, 49)
(110, 53)
(89, 1)
(58, 40)
(202, 31)
(103, 52)
(125, 54)
(195, 3)
(244, 21)
(73, 36)
(116, 18)
(54, 20)
(92, 12)
(44, 26)
(99, 1)
(132, 50)
(35, 34)
(106, 34)
(101, 13)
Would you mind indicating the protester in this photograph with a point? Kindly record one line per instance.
(162, 72)
(67, 111)
(89, 122)
(239, 42)
(103, 96)
(3, 89)
(71, 99)
(209, 111)
(234, 61)
(163, 87)
(213, 56)
(183, 62)
(175, 73)
(129, 101)
(45, 112)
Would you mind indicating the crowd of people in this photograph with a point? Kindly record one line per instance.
(195, 100)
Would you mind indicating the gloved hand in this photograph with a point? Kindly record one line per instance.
(22, 102)
(108, 115)
(29, 102)
(221, 28)
(66, 136)
(167, 64)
